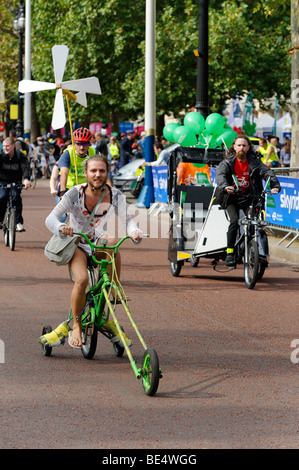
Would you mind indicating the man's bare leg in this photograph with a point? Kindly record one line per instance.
(79, 269)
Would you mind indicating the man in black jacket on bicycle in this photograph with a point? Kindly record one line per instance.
(240, 175)
(14, 168)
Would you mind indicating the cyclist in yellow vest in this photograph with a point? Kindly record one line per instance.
(72, 166)
(114, 148)
(268, 154)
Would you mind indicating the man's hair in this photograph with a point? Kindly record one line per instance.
(158, 145)
(12, 133)
(10, 140)
(231, 148)
(98, 157)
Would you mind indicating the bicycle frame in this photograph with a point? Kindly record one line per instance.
(99, 295)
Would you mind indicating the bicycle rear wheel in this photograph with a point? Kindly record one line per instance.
(90, 334)
(12, 228)
(252, 266)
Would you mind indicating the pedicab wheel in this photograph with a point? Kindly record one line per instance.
(252, 266)
(90, 346)
(175, 268)
(261, 271)
(150, 372)
(194, 261)
(47, 350)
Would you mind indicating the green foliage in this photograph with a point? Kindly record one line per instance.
(247, 52)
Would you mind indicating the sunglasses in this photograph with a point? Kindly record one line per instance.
(82, 144)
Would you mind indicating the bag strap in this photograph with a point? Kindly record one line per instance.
(94, 209)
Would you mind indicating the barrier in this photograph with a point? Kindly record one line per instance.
(283, 209)
(160, 189)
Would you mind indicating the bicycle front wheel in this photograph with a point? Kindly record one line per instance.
(90, 342)
(175, 268)
(252, 266)
(150, 372)
(12, 229)
(5, 229)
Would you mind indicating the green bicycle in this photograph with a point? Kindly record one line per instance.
(95, 315)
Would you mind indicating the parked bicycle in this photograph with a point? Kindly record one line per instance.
(99, 306)
(9, 223)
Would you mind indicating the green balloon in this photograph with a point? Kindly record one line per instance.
(185, 136)
(214, 124)
(194, 121)
(168, 131)
(228, 136)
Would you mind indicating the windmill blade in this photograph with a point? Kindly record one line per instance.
(81, 98)
(29, 86)
(88, 85)
(59, 54)
(58, 118)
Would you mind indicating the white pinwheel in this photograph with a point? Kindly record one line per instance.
(83, 86)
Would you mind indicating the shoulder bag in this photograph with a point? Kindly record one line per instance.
(61, 250)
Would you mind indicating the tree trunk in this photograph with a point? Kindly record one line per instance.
(115, 121)
(295, 84)
(35, 128)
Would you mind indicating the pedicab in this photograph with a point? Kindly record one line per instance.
(198, 225)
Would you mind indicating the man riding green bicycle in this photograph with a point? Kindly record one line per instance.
(110, 207)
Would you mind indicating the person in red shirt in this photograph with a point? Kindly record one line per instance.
(240, 175)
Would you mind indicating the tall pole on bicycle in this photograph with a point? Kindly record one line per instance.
(146, 197)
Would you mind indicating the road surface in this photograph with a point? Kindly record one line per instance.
(230, 375)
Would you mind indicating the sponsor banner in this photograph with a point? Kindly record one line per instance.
(283, 208)
(160, 182)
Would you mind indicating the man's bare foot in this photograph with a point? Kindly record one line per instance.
(75, 338)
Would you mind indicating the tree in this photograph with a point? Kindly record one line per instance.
(9, 51)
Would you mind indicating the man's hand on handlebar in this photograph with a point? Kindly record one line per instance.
(274, 191)
(67, 230)
(230, 189)
(27, 184)
(137, 236)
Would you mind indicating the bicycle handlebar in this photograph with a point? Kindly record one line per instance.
(11, 185)
(104, 246)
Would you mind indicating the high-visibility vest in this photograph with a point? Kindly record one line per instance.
(80, 163)
(114, 149)
(264, 152)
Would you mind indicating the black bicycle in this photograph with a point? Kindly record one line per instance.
(252, 245)
(9, 223)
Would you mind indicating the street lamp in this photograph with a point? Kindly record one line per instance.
(19, 26)
(202, 83)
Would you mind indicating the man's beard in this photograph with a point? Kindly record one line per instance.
(241, 155)
(95, 185)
